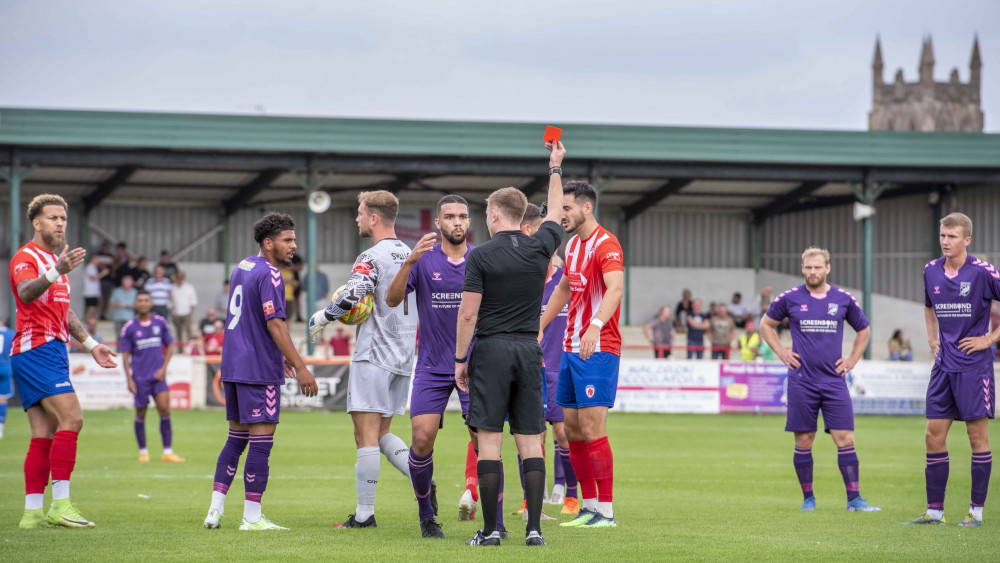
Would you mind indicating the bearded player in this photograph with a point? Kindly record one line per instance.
(816, 312)
(593, 283)
(958, 292)
(256, 359)
(435, 273)
(40, 365)
(383, 356)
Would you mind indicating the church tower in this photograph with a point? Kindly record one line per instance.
(926, 105)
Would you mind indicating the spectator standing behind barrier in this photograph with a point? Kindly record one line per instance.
(92, 276)
(184, 299)
(123, 304)
(169, 268)
(222, 299)
(340, 343)
(750, 343)
(213, 342)
(140, 272)
(322, 289)
(207, 324)
(159, 290)
(764, 300)
(659, 332)
(740, 311)
(722, 333)
(291, 288)
(697, 324)
(196, 345)
(899, 347)
(681, 312)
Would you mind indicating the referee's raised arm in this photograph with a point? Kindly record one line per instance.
(554, 201)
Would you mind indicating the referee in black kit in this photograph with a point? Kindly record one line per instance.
(501, 303)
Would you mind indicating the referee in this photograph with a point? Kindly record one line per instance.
(501, 303)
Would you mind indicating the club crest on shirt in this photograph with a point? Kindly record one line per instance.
(803, 307)
(964, 288)
(156, 331)
(831, 309)
(590, 391)
(138, 334)
(436, 276)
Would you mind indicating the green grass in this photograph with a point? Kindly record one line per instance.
(688, 487)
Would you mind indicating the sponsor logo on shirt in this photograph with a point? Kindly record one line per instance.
(363, 268)
(269, 307)
(964, 288)
(19, 267)
(63, 384)
(831, 309)
(616, 256)
(247, 265)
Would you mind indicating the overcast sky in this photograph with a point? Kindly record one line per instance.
(798, 64)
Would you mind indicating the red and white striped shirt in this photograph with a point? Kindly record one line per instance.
(586, 263)
(46, 318)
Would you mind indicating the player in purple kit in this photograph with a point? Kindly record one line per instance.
(816, 312)
(958, 292)
(146, 351)
(435, 272)
(256, 359)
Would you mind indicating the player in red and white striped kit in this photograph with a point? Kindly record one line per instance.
(593, 284)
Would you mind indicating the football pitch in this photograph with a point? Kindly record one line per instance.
(686, 487)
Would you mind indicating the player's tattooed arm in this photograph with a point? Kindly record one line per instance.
(76, 328)
(29, 290)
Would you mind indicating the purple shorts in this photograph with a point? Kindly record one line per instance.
(146, 388)
(969, 395)
(248, 404)
(553, 412)
(806, 399)
(430, 394)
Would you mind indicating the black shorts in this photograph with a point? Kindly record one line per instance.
(91, 301)
(504, 381)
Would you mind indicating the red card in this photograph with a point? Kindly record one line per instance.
(552, 134)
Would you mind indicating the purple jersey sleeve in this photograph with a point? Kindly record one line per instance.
(125, 343)
(991, 280)
(855, 316)
(272, 296)
(778, 309)
(168, 338)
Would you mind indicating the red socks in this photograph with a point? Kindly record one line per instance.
(471, 472)
(62, 456)
(36, 466)
(580, 457)
(603, 464)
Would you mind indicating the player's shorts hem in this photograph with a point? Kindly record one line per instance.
(37, 402)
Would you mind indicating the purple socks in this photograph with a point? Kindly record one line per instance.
(803, 462)
(140, 432)
(982, 463)
(256, 468)
(847, 459)
(421, 473)
(229, 459)
(165, 432)
(936, 474)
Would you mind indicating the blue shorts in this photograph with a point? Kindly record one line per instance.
(6, 391)
(41, 372)
(590, 383)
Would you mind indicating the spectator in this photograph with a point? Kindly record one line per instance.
(682, 311)
(750, 343)
(659, 332)
(713, 309)
(899, 347)
(697, 324)
(159, 290)
(92, 276)
(291, 278)
(94, 331)
(340, 343)
(123, 304)
(741, 312)
(222, 299)
(140, 272)
(207, 325)
(196, 345)
(213, 342)
(297, 266)
(322, 289)
(169, 268)
(764, 300)
(120, 264)
(184, 300)
(723, 330)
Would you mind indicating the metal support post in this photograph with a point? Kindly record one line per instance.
(14, 175)
(311, 182)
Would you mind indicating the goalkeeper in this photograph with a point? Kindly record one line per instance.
(383, 355)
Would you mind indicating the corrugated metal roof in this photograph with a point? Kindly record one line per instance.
(481, 139)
